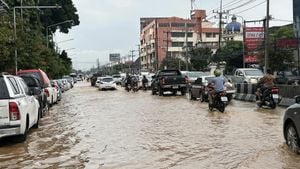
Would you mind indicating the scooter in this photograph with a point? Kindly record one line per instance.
(269, 97)
(219, 101)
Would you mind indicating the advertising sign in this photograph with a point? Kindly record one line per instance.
(114, 57)
(254, 39)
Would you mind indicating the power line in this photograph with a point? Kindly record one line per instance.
(242, 5)
(251, 7)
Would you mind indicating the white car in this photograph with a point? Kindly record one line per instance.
(106, 83)
(19, 110)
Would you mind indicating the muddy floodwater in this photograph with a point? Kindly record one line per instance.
(115, 129)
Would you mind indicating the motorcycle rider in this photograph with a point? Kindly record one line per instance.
(144, 82)
(134, 82)
(266, 82)
(128, 80)
(217, 85)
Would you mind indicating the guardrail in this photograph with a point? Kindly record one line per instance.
(246, 92)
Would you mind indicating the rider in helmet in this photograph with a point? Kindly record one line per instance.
(217, 84)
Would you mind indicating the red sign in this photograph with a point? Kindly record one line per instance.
(286, 43)
(251, 59)
(254, 38)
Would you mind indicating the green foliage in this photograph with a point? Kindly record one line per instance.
(280, 59)
(232, 54)
(173, 63)
(31, 39)
(200, 58)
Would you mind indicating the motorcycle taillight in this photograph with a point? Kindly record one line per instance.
(275, 90)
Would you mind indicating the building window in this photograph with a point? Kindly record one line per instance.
(191, 25)
(177, 44)
(177, 24)
(181, 34)
(164, 24)
(190, 44)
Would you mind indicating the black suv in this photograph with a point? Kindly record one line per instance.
(33, 84)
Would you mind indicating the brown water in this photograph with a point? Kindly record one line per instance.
(115, 129)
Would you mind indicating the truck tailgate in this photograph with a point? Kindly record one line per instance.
(174, 80)
(4, 112)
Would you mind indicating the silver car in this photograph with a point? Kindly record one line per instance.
(291, 126)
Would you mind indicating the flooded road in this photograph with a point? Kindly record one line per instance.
(115, 129)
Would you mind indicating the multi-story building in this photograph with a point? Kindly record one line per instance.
(171, 36)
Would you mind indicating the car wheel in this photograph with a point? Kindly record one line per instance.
(201, 97)
(23, 137)
(36, 125)
(183, 92)
(292, 138)
(160, 91)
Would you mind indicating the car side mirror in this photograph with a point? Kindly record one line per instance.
(297, 99)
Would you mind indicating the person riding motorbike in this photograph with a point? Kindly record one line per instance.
(217, 85)
(266, 82)
(134, 82)
(144, 82)
(128, 80)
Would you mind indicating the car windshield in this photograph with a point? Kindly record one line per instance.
(107, 80)
(195, 74)
(288, 73)
(116, 76)
(253, 73)
(169, 73)
(30, 82)
(3, 89)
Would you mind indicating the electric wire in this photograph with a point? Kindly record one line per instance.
(251, 7)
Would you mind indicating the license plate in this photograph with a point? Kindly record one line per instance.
(224, 99)
(275, 96)
(175, 87)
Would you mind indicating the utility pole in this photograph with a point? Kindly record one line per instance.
(267, 40)
(220, 13)
(167, 49)
(156, 46)
(186, 48)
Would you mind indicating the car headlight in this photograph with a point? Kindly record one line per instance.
(253, 80)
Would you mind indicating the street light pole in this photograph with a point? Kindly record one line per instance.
(47, 29)
(15, 26)
(267, 38)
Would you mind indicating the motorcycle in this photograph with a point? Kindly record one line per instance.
(127, 87)
(268, 97)
(135, 87)
(219, 100)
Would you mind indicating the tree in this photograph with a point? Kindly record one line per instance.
(173, 63)
(232, 54)
(200, 58)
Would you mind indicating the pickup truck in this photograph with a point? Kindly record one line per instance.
(246, 75)
(168, 80)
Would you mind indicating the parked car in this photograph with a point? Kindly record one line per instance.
(42, 76)
(67, 85)
(106, 83)
(34, 84)
(70, 80)
(291, 126)
(61, 85)
(286, 77)
(19, 109)
(117, 79)
(55, 84)
(246, 75)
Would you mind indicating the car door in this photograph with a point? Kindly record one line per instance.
(32, 106)
(4, 103)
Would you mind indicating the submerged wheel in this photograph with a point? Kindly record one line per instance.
(221, 107)
(292, 138)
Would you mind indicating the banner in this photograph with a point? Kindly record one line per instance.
(253, 41)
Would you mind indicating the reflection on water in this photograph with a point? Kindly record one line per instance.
(117, 129)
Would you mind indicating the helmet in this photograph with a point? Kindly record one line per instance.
(217, 72)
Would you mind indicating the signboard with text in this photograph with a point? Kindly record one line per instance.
(253, 41)
(114, 57)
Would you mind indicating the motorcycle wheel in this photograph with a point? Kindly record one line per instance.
(221, 106)
(210, 107)
(272, 104)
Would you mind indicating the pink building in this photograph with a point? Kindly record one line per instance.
(173, 34)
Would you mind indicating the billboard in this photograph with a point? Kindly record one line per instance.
(253, 41)
(114, 57)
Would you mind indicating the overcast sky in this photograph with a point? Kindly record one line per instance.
(112, 26)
